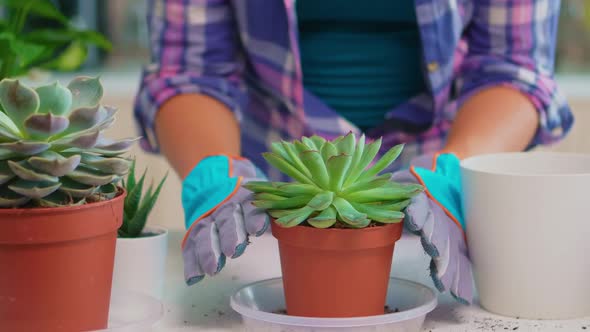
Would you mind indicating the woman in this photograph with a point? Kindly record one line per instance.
(451, 77)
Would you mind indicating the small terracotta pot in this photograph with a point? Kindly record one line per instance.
(57, 266)
(336, 272)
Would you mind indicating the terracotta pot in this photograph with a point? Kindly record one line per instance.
(57, 266)
(336, 272)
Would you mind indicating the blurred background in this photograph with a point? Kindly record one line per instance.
(123, 22)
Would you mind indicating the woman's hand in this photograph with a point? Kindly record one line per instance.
(436, 216)
(219, 214)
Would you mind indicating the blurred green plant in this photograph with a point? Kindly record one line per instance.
(138, 208)
(61, 48)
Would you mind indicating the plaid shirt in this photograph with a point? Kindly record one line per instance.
(245, 54)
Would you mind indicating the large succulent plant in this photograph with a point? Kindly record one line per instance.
(335, 184)
(52, 151)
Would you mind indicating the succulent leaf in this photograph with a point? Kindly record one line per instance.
(59, 198)
(349, 214)
(386, 193)
(26, 172)
(318, 141)
(356, 158)
(309, 143)
(338, 167)
(10, 199)
(328, 151)
(287, 203)
(299, 165)
(25, 147)
(325, 219)
(8, 127)
(55, 99)
(285, 167)
(17, 100)
(388, 158)
(34, 189)
(86, 92)
(119, 166)
(92, 177)
(45, 125)
(53, 163)
(6, 174)
(321, 201)
(76, 189)
(298, 189)
(373, 212)
(296, 217)
(314, 162)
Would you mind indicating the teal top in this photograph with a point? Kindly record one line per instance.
(361, 58)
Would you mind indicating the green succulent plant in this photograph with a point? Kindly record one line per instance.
(52, 149)
(138, 207)
(335, 184)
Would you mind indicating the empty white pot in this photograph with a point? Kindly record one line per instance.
(528, 227)
(140, 263)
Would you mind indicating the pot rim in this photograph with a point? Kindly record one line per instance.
(162, 232)
(53, 210)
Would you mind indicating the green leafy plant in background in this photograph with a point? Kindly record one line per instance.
(62, 48)
(137, 205)
(52, 149)
(336, 184)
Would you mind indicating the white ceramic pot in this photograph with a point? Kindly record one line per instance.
(528, 227)
(140, 263)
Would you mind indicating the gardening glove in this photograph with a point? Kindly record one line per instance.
(219, 216)
(437, 216)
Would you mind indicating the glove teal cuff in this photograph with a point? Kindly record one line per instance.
(443, 183)
(208, 185)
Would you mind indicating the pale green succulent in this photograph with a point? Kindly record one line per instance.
(335, 184)
(52, 149)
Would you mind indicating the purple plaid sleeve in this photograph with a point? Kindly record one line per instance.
(512, 43)
(194, 49)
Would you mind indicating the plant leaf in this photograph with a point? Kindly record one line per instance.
(119, 166)
(76, 189)
(41, 126)
(133, 199)
(337, 168)
(139, 221)
(283, 166)
(296, 217)
(91, 177)
(388, 158)
(349, 214)
(328, 151)
(356, 158)
(327, 218)
(321, 201)
(86, 92)
(314, 162)
(53, 163)
(55, 99)
(292, 153)
(369, 153)
(43, 8)
(26, 172)
(18, 101)
(9, 198)
(25, 147)
(376, 213)
(34, 189)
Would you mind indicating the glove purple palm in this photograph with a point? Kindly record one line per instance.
(219, 215)
(436, 215)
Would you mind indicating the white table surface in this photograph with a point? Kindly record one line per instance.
(205, 306)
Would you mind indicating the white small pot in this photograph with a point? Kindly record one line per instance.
(527, 232)
(140, 263)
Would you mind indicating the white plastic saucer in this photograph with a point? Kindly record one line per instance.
(257, 302)
(133, 312)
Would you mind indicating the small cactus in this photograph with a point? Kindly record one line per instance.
(52, 148)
